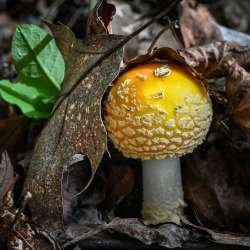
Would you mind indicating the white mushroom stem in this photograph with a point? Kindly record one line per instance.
(162, 190)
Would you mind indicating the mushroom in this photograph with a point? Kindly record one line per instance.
(157, 113)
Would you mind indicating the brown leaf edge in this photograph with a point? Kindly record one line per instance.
(62, 137)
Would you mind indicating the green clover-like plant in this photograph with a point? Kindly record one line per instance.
(40, 69)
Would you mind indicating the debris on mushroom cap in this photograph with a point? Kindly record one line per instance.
(157, 111)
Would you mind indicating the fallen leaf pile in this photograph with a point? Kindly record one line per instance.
(81, 185)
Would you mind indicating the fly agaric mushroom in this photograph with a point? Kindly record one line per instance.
(157, 113)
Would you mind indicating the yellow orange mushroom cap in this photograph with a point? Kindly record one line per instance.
(157, 111)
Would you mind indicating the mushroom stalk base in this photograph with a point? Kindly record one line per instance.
(162, 190)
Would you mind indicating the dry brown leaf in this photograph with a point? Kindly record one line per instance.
(217, 59)
(223, 59)
(214, 60)
(197, 25)
(76, 125)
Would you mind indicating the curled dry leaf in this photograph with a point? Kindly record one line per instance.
(217, 59)
(197, 25)
(76, 125)
(223, 59)
(214, 60)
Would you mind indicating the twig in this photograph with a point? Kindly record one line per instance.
(173, 29)
(112, 50)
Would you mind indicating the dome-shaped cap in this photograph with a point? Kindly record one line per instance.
(156, 111)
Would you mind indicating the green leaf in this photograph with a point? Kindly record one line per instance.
(27, 98)
(37, 59)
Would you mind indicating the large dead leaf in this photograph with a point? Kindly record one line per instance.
(76, 125)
